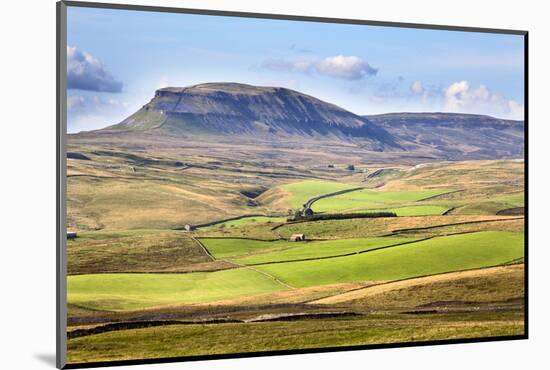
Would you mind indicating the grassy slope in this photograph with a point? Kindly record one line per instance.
(142, 203)
(224, 248)
(256, 231)
(416, 210)
(514, 225)
(301, 192)
(485, 186)
(504, 284)
(129, 190)
(136, 251)
(188, 340)
(134, 291)
(166, 204)
(318, 249)
(329, 229)
(365, 199)
(512, 200)
(493, 204)
(457, 252)
(245, 221)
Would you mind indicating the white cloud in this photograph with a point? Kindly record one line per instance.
(347, 67)
(85, 72)
(93, 112)
(461, 97)
(516, 110)
(428, 94)
(417, 88)
(339, 66)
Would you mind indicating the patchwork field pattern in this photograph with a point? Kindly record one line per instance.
(172, 248)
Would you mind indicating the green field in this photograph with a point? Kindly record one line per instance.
(319, 249)
(226, 248)
(300, 192)
(490, 203)
(451, 253)
(370, 199)
(136, 291)
(438, 255)
(132, 265)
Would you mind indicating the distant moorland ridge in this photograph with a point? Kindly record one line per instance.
(238, 111)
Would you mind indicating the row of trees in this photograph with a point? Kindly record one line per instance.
(300, 215)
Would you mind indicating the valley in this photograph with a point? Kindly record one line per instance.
(187, 221)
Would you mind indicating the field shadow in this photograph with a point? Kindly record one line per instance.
(46, 358)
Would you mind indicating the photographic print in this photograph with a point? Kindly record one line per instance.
(240, 185)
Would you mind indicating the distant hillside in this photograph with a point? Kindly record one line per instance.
(238, 109)
(455, 136)
(274, 117)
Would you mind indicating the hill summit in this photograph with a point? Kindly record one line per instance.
(240, 109)
(275, 117)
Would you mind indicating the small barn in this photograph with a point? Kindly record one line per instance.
(298, 238)
(71, 234)
(188, 227)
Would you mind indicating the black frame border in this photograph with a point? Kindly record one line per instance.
(61, 118)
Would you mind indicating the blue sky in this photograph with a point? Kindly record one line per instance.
(118, 58)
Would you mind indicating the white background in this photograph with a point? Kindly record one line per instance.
(27, 158)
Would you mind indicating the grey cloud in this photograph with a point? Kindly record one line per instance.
(85, 72)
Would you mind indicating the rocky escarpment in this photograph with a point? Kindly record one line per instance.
(239, 109)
